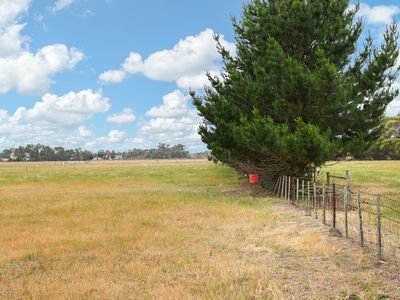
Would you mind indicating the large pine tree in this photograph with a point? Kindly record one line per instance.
(300, 91)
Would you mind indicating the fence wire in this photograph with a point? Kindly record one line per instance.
(372, 220)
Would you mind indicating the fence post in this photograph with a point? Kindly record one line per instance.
(315, 201)
(297, 191)
(289, 186)
(348, 187)
(282, 185)
(346, 224)
(286, 179)
(378, 227)
(333, 205)
(308, 199)
(302, 191)
(323, 204)
(285, 187)
(279, 186)
(360, 220)
(275, 186)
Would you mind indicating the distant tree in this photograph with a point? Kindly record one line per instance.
(298, 92)
(388, 145)
(179, 151)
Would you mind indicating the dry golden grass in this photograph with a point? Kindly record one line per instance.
(170, 230)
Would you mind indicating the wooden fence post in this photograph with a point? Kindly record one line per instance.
(297, 191)
(275, 186)
(279, 186)
(302, 192)
(378, 227)
(285, 190)
(308, 199)
(348, 187)
(323, 204)
(333, 205)
(289, 186)
(282, 185)
(345, 200)
(315, 201)
(360, 220)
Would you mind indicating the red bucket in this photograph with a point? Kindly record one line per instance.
(254, 178)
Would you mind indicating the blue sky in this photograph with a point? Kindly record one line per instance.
(114, 74)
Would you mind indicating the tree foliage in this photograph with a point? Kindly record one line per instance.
(163, 151)
(300, 90)
(388, 144)
(41, 152)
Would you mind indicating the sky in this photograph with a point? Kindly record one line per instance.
(115, 74)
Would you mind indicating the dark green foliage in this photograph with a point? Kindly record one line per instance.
(45, 153)
(298, 92)
(163, 151)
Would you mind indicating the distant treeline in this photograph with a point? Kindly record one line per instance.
(40, 152)
(163, 151)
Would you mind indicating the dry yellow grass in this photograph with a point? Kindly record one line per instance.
(171, 230)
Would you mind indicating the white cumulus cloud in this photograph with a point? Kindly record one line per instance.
(186, 63)
(115, 135)
(11, 9)
(175, 104)
(113, 76)
(173, 122)
(126, 116)
(21, 69)
(30, 73)
(69, 109)
(133, 63)
(82, 131)
(393, 109)
(54, 120)
(378, 15)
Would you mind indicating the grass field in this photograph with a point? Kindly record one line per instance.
(381, 177)
(170, 230)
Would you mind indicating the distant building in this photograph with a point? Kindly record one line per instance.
(12, 155)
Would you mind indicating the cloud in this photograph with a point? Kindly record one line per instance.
(393, 109)
(82, 131)
(175, 104)
(133, 63)
(69, 109)
(378, 15)
(186, 63)
(62, 121)
(115, 140)
(54, 120)
(113, 76)
(31, 74)
(173, 122)
(20, 69)
(10, 10)
(61, 4)
(115, 135)
(126, 116)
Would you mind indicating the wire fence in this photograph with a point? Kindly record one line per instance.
(372, 220)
